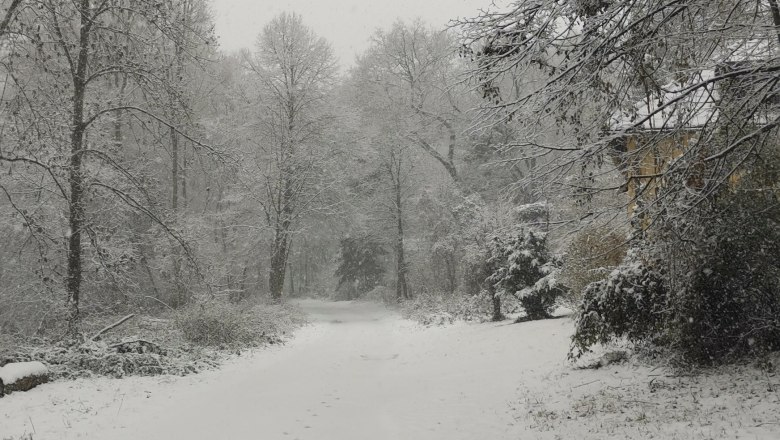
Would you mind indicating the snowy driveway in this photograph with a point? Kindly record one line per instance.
(358, 372)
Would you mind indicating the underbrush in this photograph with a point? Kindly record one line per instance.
(179, 342)
(440, 309)
(221, 324)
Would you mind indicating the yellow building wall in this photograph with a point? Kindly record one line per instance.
(650, 163)
(643, 167)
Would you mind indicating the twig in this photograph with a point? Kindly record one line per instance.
(110, 327)
(160, 301)
(32, 424)
(586, 383)
(120, 404)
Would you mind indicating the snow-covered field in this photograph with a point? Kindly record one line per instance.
(361, 372)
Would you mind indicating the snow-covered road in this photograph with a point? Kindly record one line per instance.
(358, 372)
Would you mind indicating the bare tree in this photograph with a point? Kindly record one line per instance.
(416, 69)
(295, 69)
(396, 163)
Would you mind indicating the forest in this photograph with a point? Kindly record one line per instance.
(164, 203)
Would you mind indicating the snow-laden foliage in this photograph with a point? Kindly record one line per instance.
(521, 265)
(723, 273)
(704, 282)
(678, 99)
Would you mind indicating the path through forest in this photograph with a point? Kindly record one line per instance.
(357, 372)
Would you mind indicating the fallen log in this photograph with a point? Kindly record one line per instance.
(97, 335)
(22, 376)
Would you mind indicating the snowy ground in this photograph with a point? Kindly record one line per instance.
(361, 372)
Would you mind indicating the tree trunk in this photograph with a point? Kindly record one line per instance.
(292, 280)
(452, 275)
(496, 300)
(183, 174)
(9, 13)
(176, 253)
(304, 276)
(242, 286)
(775, 16)
(278, 265)
(174, 170)
(175, 176)
(76, 213)
(401, 286)
(120, 86)
(281, 245)
(75, 224)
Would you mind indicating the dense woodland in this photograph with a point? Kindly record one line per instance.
(617, 158)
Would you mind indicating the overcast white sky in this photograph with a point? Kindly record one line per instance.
(347, 24)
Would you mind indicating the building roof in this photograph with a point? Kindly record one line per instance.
(691, 104)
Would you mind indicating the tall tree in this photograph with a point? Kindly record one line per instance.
(295, 69)
(395, 163)
(385, 177)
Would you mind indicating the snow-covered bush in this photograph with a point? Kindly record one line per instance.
(628, 303)
(521, 265)
(727, 301)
